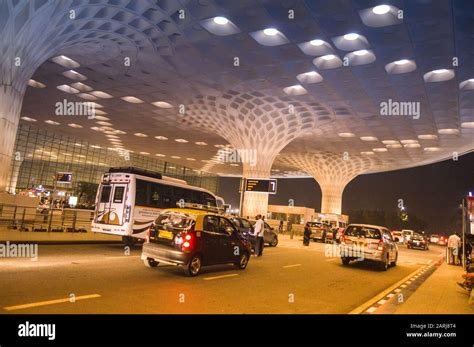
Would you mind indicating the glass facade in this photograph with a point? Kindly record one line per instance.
(40, 154)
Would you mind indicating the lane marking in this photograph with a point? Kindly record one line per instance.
(391, 295)
(372, 309)
(383, 294)
(123, 256)
(218, 277)
(50, 302)
(381, 302)
(288, 266)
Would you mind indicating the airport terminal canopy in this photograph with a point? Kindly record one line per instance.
(305, 88)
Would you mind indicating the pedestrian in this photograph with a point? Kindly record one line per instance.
(259, 229)
(454, 241)
(306, 234)
(289, 226)
(280, 227)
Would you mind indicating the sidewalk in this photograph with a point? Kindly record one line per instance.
(13, 235)
(440, 294)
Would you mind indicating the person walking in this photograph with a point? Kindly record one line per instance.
(454, 241)
(259, 230)
(289, 226)
(280, 227)
(306, 234)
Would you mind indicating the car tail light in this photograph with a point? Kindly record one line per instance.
(188, 242)
(380, 246)
(148, 235)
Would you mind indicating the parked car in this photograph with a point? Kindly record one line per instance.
(398, 236)
(418, 241)
(192, 238)
(443, 241)
(434, 238)
(407, 234)
(270, 237)
(369, 243)
(319, 231)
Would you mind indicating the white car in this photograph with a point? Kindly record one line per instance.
(434, 238)
(398, 236)
(407, 234)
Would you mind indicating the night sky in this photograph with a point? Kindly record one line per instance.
(432, 192)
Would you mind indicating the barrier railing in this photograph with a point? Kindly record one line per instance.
(27, 218)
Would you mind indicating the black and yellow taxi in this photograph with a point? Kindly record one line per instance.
(192, 238)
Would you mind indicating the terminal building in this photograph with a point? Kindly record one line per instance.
(201, 89)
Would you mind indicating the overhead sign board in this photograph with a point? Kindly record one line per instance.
(259, 185)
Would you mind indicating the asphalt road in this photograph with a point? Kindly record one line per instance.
(287, 279)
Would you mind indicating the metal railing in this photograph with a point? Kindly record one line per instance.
(28, 218)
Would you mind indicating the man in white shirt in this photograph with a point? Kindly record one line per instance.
(454, 243)
(258, 231)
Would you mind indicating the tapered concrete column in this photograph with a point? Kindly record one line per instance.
(331, 201)
(257, 126)
(332, 172)
(256, 203)
(10, 106)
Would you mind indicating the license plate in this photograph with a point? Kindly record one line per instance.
(164, 234)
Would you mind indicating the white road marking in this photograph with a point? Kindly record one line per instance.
(391, 295)
(381, 302)
(288, 266)
(51, 302)
(219, 277)
(372, 309)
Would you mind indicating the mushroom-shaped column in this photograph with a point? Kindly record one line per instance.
(333, 172)
(257, 126)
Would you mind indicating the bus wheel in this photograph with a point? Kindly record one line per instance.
(129, 241)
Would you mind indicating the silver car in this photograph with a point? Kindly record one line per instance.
(369, 243)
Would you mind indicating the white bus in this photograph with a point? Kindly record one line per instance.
(129, 200)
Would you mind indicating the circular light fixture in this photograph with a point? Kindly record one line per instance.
(270, 31)
(351, 36)
(427, 137)
(402, 62)
(328, 57)
(439, 71)
(448, 131)
(469, 125)
(160, 155)
(369, 138)
(221, 20)
(346, 135)
(361, 52)
(380, 149)
(412, 145)
(381, 9)
(432, 149)
(311, 73)
(200, 143)
(316, 42)
(161, 138)
(405, 142)
(367, 153)
(181, 140)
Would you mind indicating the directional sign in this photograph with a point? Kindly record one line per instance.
(261, 185)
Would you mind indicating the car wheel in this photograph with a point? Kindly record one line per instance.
(150, 262)
(394, 263)
(384, 263)
(194, 266)
(129, 241)
(274, 243)
(345, 261)
(243, 261)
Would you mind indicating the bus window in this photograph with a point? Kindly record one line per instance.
(105, 194)
(141, 193)
(118, 195)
